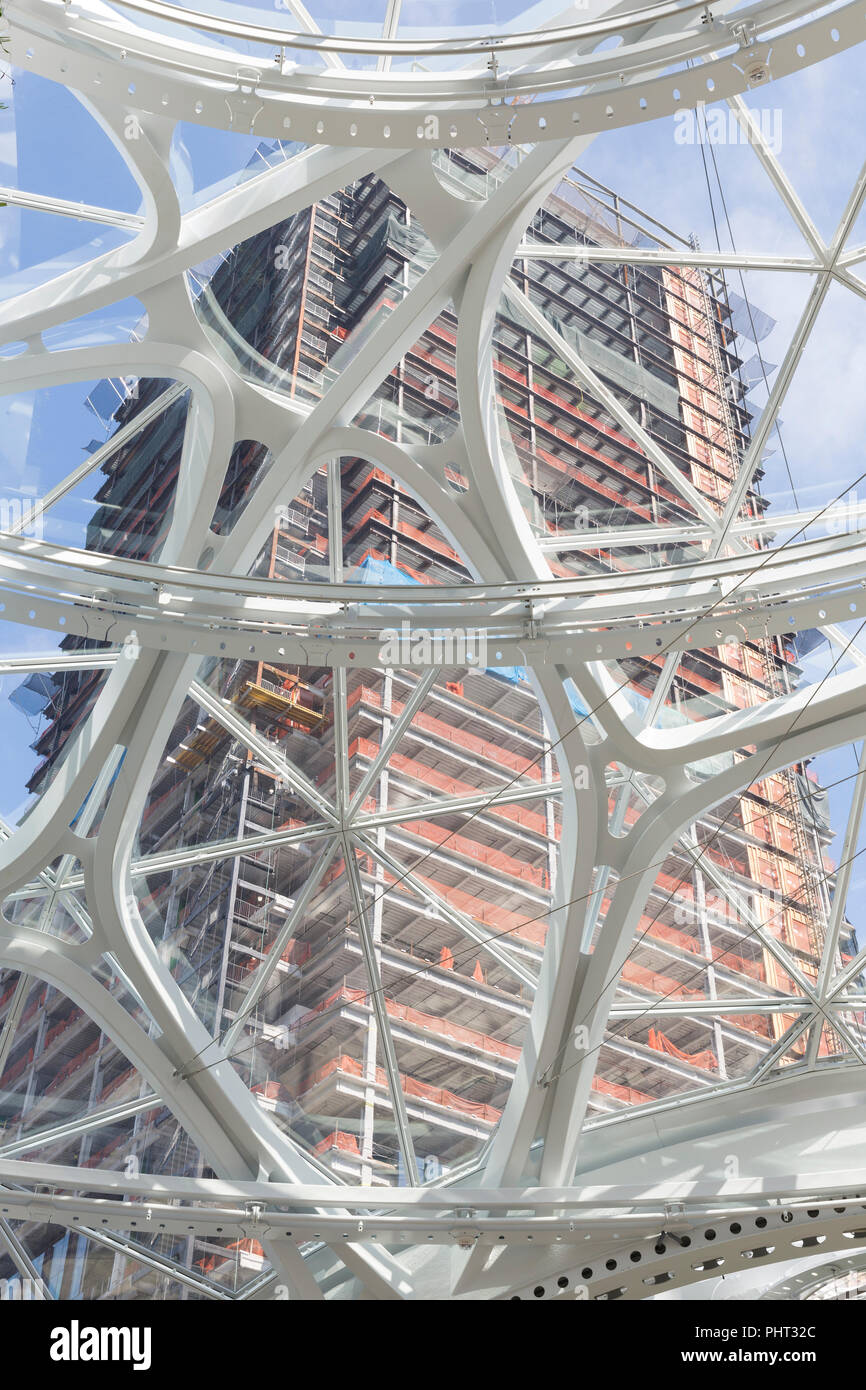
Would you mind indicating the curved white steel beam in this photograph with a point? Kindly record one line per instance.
(583, 85)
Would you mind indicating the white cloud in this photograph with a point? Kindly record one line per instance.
(8, 151)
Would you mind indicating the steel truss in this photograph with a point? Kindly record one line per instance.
(197, 602)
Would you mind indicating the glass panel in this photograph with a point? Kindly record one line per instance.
(293, 306)
(120, 504)
(207, 163)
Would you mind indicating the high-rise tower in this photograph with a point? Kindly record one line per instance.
(280, 944)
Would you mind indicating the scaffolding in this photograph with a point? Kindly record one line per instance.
(321, 1053)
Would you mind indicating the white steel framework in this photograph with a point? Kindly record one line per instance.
(159, 64)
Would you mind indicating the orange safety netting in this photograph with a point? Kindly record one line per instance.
(338, 1139)
(457, 1032)
(61, 1028)
(676, 938)
(340, 995)
(427, 539)
(627, 1093)
(658, 984)
(449, 786)
(337, 868)
(73, 1064)
(296, 952)
(33, 1006)
(117, 1082)
(95, 1159)
(271, 1090)
(706, 1059)
(735, 963)
(18, 1067)
(752, 1023)
(437, 1095)
(485, 748)
(500, 918)
(739, 965)
(454, 786)
(248, 1245)
(471, 849)
(431, 1023)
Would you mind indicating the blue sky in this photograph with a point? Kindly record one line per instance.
(50, 144)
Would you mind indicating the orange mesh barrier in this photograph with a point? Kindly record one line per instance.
(410, 1087)
(424, 538)
(471, 849)
(626, 1093)
(272, 1090)
(448, 786)
(117, 1082)
(433, 1023)
(738, 964)
(73, 1064)
(95, 1159)
(493, 752)
(658, 984)
(61, 1027)
(16, 1070)
(339, 995)
(707, 1059)
(457, 1032)
(744, 967)
(296, 952)
(498, 918)
(250, 1246)
(338, 1139)
(33, 1006)
(676, 938)
(752, 1023)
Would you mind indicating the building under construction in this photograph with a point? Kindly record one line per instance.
(445, 891)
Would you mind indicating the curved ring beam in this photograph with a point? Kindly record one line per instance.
(535, 622)
(273, 96)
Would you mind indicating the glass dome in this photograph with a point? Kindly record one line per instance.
(432, 588)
